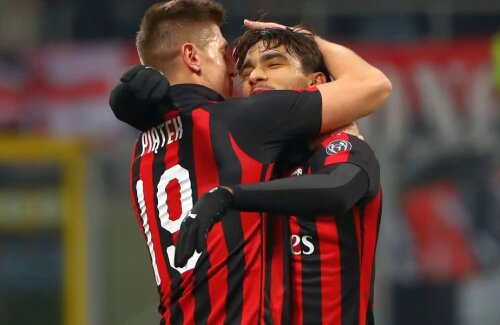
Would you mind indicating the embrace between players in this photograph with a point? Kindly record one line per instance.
(255, 210)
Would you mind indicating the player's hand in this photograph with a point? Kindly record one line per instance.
(195, 227)
(252, 24)
(135, 98)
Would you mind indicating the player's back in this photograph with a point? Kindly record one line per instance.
(174, 164)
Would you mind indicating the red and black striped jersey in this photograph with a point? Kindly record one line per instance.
(332, 257)
(204, 143)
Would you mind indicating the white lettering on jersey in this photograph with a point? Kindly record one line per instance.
(157, 137)
(296, 247)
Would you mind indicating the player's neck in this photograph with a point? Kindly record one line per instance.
(189, 78)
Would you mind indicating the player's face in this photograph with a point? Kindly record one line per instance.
(218, 68)
(268, 69)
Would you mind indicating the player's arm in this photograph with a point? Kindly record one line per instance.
(359, 88)
(333, 190)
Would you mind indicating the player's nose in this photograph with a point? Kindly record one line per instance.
(256, 76)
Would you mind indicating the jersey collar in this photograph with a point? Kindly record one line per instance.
(190, 95)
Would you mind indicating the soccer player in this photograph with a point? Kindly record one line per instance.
(332, 244)
(206, 141)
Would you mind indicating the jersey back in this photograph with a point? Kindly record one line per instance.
(196, 149)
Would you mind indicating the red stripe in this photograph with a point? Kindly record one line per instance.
(207, 177)
(331, 284)
(254, 240)
(340, 157)
(172, 154)
(310, 89)
(277, 289)
(296, 305)
(173, 188)
(251, 282)
(217, 274)
(370, 224)
(269, 172)
(146, 175)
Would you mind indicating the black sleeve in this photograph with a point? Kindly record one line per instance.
(263, 123)
(332, 191)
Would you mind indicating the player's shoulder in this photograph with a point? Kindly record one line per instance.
(341, 148)
(344, 142)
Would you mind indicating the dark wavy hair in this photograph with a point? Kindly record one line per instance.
(300, 45)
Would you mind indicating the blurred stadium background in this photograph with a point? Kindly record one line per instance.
(70, 249)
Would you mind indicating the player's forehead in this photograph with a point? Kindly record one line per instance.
(261, 50)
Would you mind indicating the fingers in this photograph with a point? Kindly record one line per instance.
(351, 129)
(139, 79)
(143, 84)
(251, 24)
(127, 76)
(148, 87)
(201, 238)
(186, 242)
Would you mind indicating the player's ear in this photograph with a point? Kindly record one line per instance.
(318, 78)
(190, 56)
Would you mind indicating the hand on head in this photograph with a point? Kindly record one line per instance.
(253, 25)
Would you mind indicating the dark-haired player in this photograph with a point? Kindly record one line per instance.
(335, 212)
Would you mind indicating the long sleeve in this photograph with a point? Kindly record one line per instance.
(332, 190)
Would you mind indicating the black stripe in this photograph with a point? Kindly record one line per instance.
(311, 273)
(285, 315)
(200, 290)
(361, 210)
(230, 173)
(370, 317)
(268, 315)
(350, 268)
